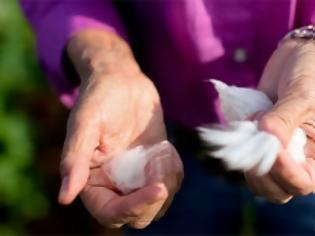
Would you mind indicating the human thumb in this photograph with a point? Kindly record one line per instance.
(75, 172)
(80, 144)
(287, 114)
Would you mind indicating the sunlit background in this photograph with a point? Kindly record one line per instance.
(32, 126)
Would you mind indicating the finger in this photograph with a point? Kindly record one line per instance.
(98, 177)
(157, 211)
(134, 207)
(167, 169)
(165, 207)
(79, 146)
(287, 114)
(309, 166)
(309, 148)
(147, 212)
(309, 128)
(165, 166)
(177, 183)
(162, 169)
(75, 172)
(266, 187)
(179, 167)
(148, 215)
(294, 178)
(94, 199)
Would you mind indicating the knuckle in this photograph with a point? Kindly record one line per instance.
(278, 120)
(273, 121)
(266, 122)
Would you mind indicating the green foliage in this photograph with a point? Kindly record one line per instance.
(21, 198)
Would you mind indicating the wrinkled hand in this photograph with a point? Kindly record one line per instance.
(289, 79)
(116, 110)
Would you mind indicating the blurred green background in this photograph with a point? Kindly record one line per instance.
(21, 195)
(32, 126)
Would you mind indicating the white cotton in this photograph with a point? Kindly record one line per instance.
(127, 170)
(296, 145)
(241, 132)
(242, 146)
(239, 103)
(270, 155)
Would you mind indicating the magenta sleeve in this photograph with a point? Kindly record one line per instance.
(54, 22)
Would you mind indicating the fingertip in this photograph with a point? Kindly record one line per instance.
(75, 178)
(65, 196)
(63, 200)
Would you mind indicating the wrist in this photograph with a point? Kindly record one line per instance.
(290, 62)
(297, 73)
(96, 51)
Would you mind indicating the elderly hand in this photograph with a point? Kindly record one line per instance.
(118, 108)
(289, 79)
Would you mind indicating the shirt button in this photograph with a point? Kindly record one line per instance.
(240, 55)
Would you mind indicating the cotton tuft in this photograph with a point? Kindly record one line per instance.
(127, 171)
(242, 146)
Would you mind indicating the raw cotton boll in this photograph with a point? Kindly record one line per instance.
(239, 103)
(242, 146)
(127, 171)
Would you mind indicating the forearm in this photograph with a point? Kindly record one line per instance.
(97, 51)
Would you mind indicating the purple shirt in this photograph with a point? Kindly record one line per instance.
(183, 43)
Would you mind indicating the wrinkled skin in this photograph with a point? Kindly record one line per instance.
(289, 79)
(117, 109)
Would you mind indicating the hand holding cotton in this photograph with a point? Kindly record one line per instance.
(135, 168)
(242, 146)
